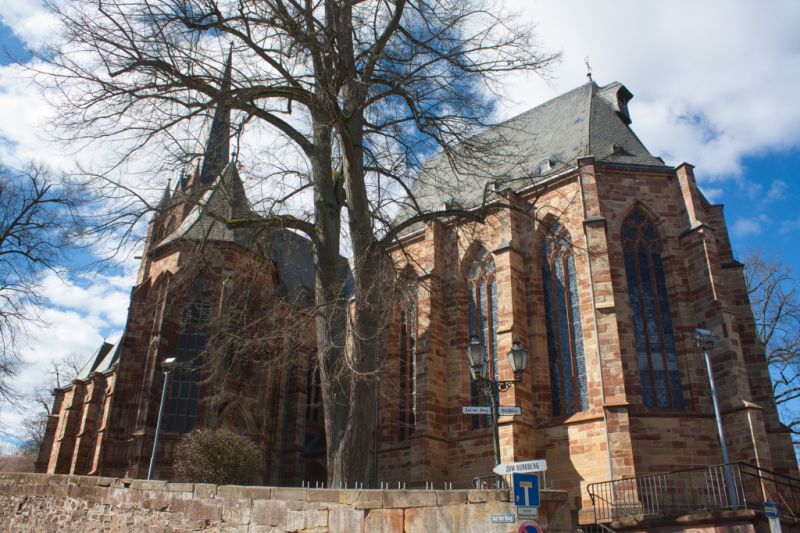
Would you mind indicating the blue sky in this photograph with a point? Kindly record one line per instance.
(715, 85)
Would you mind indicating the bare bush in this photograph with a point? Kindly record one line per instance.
(217, 456)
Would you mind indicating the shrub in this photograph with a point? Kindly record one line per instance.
(217, 456)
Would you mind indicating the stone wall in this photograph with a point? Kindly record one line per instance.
(44, 503)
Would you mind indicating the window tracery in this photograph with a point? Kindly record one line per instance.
(184, 391)
(483, 321)
(568, 386)
(408, 346)
(652, 323)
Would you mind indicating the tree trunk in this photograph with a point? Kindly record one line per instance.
(346, 460)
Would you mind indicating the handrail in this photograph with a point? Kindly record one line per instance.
(731, 486)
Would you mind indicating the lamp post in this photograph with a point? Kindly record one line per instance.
(167, 366)
(705, 341)
(492, 387)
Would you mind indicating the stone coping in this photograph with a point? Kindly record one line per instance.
(358, 498)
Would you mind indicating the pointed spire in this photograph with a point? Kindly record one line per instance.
(163, 204)
(217, 153)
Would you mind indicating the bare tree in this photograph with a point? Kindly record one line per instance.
(39, 221)
(774, 297)
(361, 91)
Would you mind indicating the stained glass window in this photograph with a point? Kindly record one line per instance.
(184, 391)
(569, 392)
(652, 324)
(483, 321)
(408, 342)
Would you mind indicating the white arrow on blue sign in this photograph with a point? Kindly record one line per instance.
(526, 490)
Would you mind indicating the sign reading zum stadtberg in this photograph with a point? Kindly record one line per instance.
(504, 469)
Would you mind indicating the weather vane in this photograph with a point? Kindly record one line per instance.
(588, 68)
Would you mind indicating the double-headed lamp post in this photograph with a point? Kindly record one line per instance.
(705, 342)
(167, 366)
(479, 370)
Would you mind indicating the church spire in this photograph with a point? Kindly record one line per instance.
(165, 201)
(217, 152)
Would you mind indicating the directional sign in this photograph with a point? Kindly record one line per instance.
(504, 469)
(509, 410)
(476, 410)
(505, 518)
(526, 490)
(771, 509)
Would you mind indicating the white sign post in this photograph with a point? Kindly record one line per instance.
(522, 467)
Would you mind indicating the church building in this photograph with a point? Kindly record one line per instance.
(599, 258)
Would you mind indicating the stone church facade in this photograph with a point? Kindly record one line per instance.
(604, 285)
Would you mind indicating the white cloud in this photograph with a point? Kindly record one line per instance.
(714, 80)
(746, 227)
(789, 226)
(82, 312)
(29, 21)
(713, 194)
(94, 296)
(777, 191)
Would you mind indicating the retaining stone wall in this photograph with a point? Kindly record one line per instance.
(45, 503)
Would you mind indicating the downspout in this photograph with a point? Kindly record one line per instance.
(596, 329)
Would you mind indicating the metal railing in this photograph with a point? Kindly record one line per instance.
(730, 486)
(492, 481)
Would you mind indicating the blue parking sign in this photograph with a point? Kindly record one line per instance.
(526, 490)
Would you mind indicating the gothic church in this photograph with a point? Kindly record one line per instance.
(604, 287)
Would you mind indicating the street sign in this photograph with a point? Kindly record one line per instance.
(504, 469)
(509, 410)
(526, 490)
(528, 513)
(476, 410)
(505, 518)
(530, 527)
(771, 509)
(773, 516)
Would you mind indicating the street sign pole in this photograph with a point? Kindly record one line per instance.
(495, 425)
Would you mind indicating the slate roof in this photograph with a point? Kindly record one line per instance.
(586, 121)
(291, 253)
(100, 361)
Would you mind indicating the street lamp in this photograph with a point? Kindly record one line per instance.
(492, 387)
(167, 366)
(705, 341)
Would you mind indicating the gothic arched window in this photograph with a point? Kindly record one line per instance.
(483, 320)
(563, 320)
(185, 389)
(408, 345)
(652, 324)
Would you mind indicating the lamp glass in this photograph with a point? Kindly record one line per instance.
(517, 357)
(476, 354)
